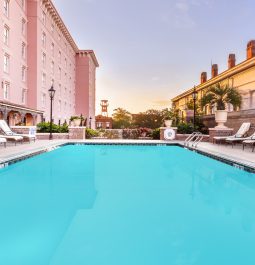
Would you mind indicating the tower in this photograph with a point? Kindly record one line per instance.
(104, 107)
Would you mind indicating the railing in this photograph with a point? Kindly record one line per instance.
(194, 139)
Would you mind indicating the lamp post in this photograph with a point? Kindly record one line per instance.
(51, 94)
(194, 96)
(90, 122)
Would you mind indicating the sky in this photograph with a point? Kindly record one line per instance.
(151, 50)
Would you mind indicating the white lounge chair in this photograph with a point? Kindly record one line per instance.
(3, 141)
(12, 138)
(8, 132)
(241, 133)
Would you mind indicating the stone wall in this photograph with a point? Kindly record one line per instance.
(235, 119)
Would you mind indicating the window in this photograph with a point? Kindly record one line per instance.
(59, 73)
(52, 49)
(23, 4)
(59, 56)
(65, 63)
(23, 73)
(6, 35)
(23, 50)
(6, 90)
(59, 106)
(52, 68)
(6, 7)
(43, 39)
(43, 18)
(59, 90)
(44, 59)
(23, 26)
(6, 63)
(43, 79)
(24, 96)
(52, 27)
(43, 99)
(59, 37)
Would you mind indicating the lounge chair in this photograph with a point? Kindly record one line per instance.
(3, 141)
(12, 138)
(241, 133)
(8, 132)
(249, 142)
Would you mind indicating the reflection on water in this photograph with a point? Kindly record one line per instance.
(38, 200)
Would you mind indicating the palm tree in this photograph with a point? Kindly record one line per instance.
(219, 96)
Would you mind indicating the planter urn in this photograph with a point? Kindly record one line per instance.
(221, 117)
(168, 123)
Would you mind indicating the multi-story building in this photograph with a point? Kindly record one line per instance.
(240, 76)
(38, 52)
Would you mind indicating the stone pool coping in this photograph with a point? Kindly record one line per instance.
(224, 157)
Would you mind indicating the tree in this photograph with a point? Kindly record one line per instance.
(219, 96)
(149, 119)
(121, 118)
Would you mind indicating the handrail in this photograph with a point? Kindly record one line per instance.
(189, 138)
(195, 137)
(198, 140)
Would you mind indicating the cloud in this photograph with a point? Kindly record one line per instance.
(179, 15)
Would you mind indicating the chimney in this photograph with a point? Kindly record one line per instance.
(231, 60)
(214, 70)
(250, 49)
(203, 77)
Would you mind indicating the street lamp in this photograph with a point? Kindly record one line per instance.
(194, 96)
(51, 94)
(90, 122)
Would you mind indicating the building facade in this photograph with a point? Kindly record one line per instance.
(103, 122)
(240, 76)
(39, 52)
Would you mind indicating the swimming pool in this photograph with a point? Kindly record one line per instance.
(126, 205)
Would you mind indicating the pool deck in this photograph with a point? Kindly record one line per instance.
(235, 154)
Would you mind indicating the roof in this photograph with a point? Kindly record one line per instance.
(92, 54)
(220, 77)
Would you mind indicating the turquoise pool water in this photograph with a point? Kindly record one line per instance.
(126, 205)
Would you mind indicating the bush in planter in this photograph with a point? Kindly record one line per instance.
(130, 133)
(44, 127)
(156, 134)
(91, 133)
(144, 132)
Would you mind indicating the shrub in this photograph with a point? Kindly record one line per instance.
(144, 132)
(185, 128)
(91, 133)
(131, 133)
(44, 127)
(156, 134)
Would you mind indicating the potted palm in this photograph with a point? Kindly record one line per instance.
(219, 96)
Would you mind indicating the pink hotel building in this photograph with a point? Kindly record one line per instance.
(37, 51)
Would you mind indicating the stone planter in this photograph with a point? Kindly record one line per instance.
(76, 122)
(168, 123)
(221, 117)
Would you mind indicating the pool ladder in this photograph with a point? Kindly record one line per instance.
(194, 139)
